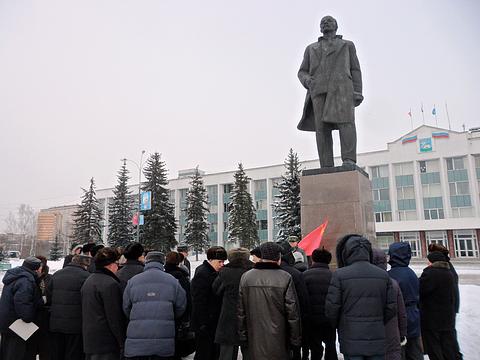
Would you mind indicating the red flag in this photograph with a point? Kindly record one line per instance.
(312, 241)
(135, 219)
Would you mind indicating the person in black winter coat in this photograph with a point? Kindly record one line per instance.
(438, 247)
(226, 286)
(317, 280)
(183, 249)
(287, 264)
(400, 254)
(21, 299)
(360, 300)
(64, 298)
(396, 327)
(206, 305)
(134, 253)
(75, 250)
(42, 336)
(103, 321)
(437, 308)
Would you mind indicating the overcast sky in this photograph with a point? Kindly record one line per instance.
(210, 83)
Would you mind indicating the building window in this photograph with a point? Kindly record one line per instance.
(381, 194)
(227, 188)
(384, 240)
(407, 215)
(262, 224)
(226, 207)
(385, 216)
(436, 237)
(465, 243)
(379, 171)
(413, 238)
(261, 204)
(456, 163)
(460, 200)
(433, 214)
(212, 194)
(405, 191)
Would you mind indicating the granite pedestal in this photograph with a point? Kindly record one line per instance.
(343, 195)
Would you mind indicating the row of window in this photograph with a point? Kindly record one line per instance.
(464, 241)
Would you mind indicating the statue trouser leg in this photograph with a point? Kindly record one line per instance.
(325, 144)
(348, 141)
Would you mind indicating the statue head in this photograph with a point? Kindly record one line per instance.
(328, 24)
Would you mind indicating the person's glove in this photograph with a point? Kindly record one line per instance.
(403, 341)
(357, 99)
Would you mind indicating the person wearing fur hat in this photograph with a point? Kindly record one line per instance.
(103, 322)
(206, 305)
(75, 250)
(269, 315)
(317, 279)
(64, 298)
(226, 286)
(182, 248)
(437, 308)
(21, 299)
(134, 264)
(360, 300)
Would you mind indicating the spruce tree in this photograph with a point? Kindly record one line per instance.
(196, 229)
(159, 223)
(242, 226)
(120, 229)
(87, 219)
(287, 204)
(55, 250)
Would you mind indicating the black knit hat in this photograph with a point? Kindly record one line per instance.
(87, 248)
(105, 256)
(436, 256)
(321, 256)
(256, 252)
(133, 251)
(32, 263)
(270, 251)
(156, 256)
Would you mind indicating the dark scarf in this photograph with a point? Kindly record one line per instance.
(267, 266)
(105, 271)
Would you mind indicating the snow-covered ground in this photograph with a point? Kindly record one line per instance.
(468, 320)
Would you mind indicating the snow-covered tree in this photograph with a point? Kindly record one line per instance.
(196, 229)
(120, 229)
(87, 219)
(242, 226)
(160, 226)
(287, 204)
(55, 250)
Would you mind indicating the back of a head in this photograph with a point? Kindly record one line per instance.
(106, 256)
(238, 254)
(155, 256)
(270, 251)
(172, 258)
(96, 248)
(352, 248)
(82, 260)
(32, 263)
(133, 251)
(379, 258)
(439, 247)
(400, 254)
(216, 253)
(436, 256)
(321, 256)
(87, 248)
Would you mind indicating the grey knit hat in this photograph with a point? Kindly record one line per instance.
(32, 263)
(270, 251)
(156, 256)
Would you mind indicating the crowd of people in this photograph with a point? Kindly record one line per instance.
(271, 302)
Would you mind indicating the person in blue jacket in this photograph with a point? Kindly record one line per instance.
(400, 254)
(152, 301)
(21, 299)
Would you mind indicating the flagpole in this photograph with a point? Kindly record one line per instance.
(411, 117)
(423, 114)
(435, 108)
(448, 117)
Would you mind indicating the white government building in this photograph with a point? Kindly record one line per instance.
(425, 186)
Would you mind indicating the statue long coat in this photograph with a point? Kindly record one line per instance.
(334, 72)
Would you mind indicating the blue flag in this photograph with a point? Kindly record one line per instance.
(434, 111)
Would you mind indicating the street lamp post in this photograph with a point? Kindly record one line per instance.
(139, 190)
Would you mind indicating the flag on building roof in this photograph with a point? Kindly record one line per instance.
(440, 134)
(409, 139)
(434, 111)
(313, 240)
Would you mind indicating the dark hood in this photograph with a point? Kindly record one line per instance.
(400, 254)
(379, 258)
(16, 273)
(353, 248)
